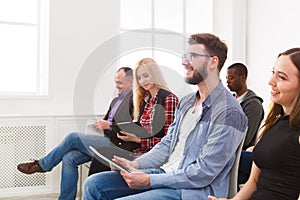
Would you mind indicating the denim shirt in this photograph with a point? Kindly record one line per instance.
(210, 149)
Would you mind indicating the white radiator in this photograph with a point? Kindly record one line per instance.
(25, 138)
(22, 139)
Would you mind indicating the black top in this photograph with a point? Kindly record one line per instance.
(277, 155)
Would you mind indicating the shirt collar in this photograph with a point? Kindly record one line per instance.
(150, 100)
(241, 98)
(124, 94)
(211, 97)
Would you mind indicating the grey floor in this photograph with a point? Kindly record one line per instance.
(35, 197)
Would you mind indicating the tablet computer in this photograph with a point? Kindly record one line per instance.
(133, 128)
(99, 155)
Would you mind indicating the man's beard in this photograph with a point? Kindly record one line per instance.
(235, 88)
(197, 77)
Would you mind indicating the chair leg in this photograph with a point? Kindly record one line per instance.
(80, 182)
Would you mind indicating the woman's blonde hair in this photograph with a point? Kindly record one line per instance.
(155, 73)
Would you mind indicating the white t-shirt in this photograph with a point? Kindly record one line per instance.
(241, 98)
(189, 122)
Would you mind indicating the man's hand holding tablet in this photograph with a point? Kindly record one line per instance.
(133, 177)
(111, 162)
(136, 179)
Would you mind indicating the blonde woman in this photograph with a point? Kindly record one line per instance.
(154, 105)
(151, 93)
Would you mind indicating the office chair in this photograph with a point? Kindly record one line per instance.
(233, 181)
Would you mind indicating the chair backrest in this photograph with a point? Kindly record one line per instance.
(234, 172)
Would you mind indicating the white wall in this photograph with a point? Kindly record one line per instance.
(272, 27)
(255, 31)
(77, 27)
(230, 26)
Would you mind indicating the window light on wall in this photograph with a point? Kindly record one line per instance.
(24, 47)
(181, 16)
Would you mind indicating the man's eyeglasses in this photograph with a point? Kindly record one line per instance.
(189, 56)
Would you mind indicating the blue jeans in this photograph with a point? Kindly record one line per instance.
(111, 185)
(72, 151)
(244, 167)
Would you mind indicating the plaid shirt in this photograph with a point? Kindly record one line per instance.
(171, 103)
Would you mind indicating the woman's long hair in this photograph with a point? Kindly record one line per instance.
(276, 110)
(155, 73)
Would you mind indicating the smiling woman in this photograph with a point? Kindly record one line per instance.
(285, 83)
(275, 173)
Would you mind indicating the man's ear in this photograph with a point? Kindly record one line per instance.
(214, 61)
(243, 78)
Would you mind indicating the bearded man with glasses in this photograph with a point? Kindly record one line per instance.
(194, 159)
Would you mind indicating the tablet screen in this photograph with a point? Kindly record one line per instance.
(108, 160)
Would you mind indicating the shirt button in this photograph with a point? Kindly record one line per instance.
(120, 143)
